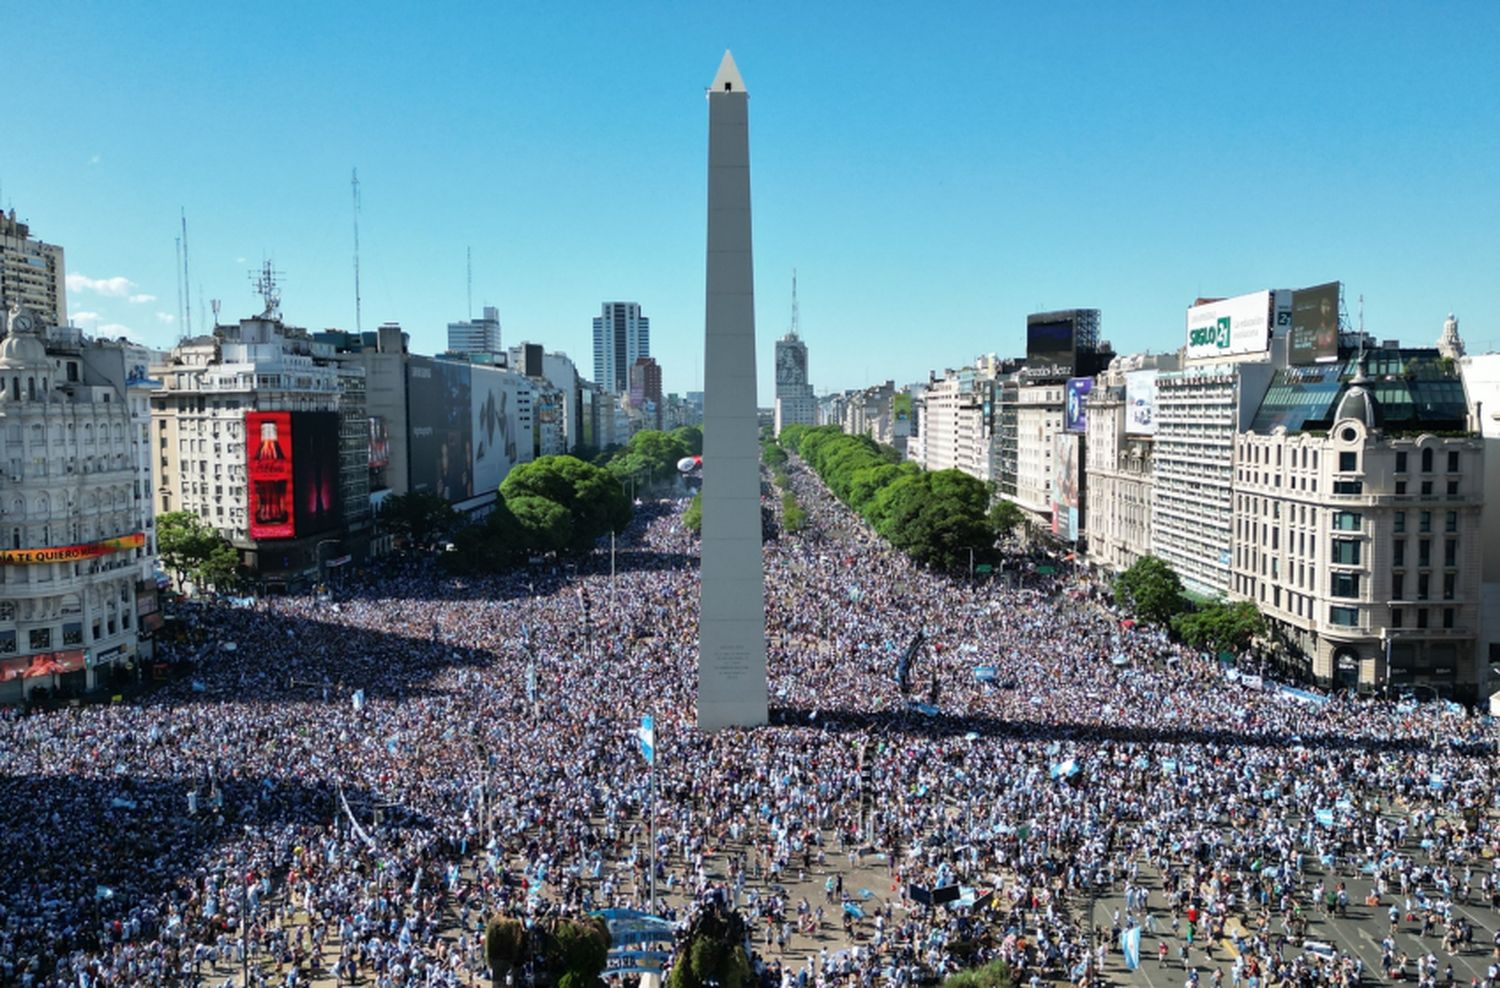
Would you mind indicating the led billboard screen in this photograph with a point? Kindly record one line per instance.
(268, 470)
(1315, 325)
(438, 416)
(315, 471)
(1230, 326)
(380, 443)
(495, 413)
(1050, 344)
(1075, 410)
(1140, 403)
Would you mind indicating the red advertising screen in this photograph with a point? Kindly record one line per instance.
(268, 469)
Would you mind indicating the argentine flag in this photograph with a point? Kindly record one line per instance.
(1130, 946)
(647, 734)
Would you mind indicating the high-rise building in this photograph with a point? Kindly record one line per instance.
(476, 337)
(31, 273)
(732, 610)
(621, 337)
(79, 550)
(645, 391)
(795, 402)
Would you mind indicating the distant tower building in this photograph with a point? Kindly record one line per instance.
(645, 389)
(31, 273)
(1450, 344)
(621, 336)
(795, 402)
(476, 335)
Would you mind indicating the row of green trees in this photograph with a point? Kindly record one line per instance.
(650, 458)
(1152, 591)
(936, 517)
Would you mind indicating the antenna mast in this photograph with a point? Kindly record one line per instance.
(469, 256)
(796, 332)
(181, 322)
(354, 185)
(215, 304)
(267, 289)
(187, 282)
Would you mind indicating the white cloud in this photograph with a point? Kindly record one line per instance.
(239, 260)
(85, 318)
(94, 160)
(116, 287)
(166, 317)
(142, 299)
(113, 329)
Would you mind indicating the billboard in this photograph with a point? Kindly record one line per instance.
(315, 472)
(1229, 326)
(1066, 492)
(495, 424)
(1314, 337)
(1075, 410)
(1140, 403)
(380, 443)
(439, 420)
(1049, 343)
(268, 470)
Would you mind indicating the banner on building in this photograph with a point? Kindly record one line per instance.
(71, 553)
(1314, 337)
(1229, 327)
(1075, 410)
(1066, 486)
(1140, 403)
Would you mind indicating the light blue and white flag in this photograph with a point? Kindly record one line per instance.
(1130, 946)
(647, 734)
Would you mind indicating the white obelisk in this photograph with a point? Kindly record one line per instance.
(732, 618)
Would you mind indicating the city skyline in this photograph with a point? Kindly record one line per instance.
(1073, 159)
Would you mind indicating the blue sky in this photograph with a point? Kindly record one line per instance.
(934, 172)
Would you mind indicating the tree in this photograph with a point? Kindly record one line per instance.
(690, 436)
(1221, 627)
(693, 516)
(1005, 517)
(192, 550)
(546, 526)
(1151, 589)
(658, 452)
(771, 453)
(595, 500)
(995, 974)
(712, 952)
(504, 947)
(579, 949)
(417, 516)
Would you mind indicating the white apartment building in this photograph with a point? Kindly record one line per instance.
(1039, 419)
(208, 387)
(955, 433)
(78, 548)
(1358, 495)
(1199, 412)
(476, 337)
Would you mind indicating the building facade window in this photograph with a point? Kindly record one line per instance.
(1345, 552)
(1345, 585)
(1348, 521)
(1344, 617)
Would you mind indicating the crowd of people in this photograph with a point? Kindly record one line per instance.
(349, 785)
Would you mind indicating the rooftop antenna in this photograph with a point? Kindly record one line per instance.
(187, 282)
(214, 304)
(354, 186)
(266, 287)
(796, 331)
(181, 323)
(469, 257)
(1361, 314)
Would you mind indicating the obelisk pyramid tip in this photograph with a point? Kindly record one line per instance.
(727, 79)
